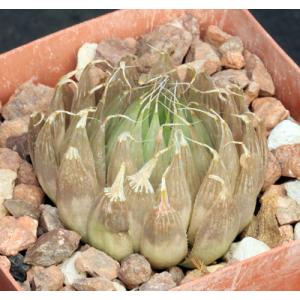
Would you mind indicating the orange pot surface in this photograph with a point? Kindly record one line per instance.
(48, 58)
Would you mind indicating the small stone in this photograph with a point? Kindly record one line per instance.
(9, 159)
(232, 44)
(18, 268)
(19, 144)
(174, 38)
(203, 58)
(4, 263)
(118, 285)
(19, 208)
(93, 284)
(177, 274)
(297, 231)
(97, 263)
(70, 272)
(273, 171)
(264, 226)
(26, 174)
(288, 157)
(85, 55)
(52, 248)
(286, 132)
(28, 98)
(246, 248)
(233, 60)
(25, 286)
(29, 193)
(16, 234)
(288, 211)
(49, 219)
(47, 279)
(251, 92)
(287, 233)
(113, 50)
(258, 73)
(159, 282)
(270, 110)
(13, 129)
(192, 275)
(232, 53)
(67, 288)
(135, 270)
(293, 190)
(7, 183)
(216, 267)
(215, 36)
(226, 78)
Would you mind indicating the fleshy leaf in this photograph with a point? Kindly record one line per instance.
(164, 241)
(109, 224)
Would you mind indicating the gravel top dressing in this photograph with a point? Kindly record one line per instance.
(156, 161)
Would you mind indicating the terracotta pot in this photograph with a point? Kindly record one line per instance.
(48, 58)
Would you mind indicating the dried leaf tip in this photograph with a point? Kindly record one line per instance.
(139, 181)
(72, 153)
(224, 190)
(82, 121)
(124, 136)
(116, 191)
(164, 205)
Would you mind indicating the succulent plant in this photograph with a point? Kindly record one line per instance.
(147, 163)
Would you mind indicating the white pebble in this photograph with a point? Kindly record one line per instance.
(286, 132)
(70, 272)
(85, 55)
(297, 231)
(293, 190)
(246, 248)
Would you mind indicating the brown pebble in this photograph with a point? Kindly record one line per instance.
(28, 98)
(93, 284)
(233, 60)
(273, 171)
(52, 248)
(251, 92)
(113, 50)
(67, 288)
(257, 72)
(270, 110)
(9, 159)
(135, 270)
(203, 58)
(288, 157)
(26, 174)
(47, 279)
(177, 274)
(159, 282)
(29, 193)
(288, 211)
(215, 36)
(16, 234)
(13, 128)
(49, 219)
(97, 263)
(19, 208)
